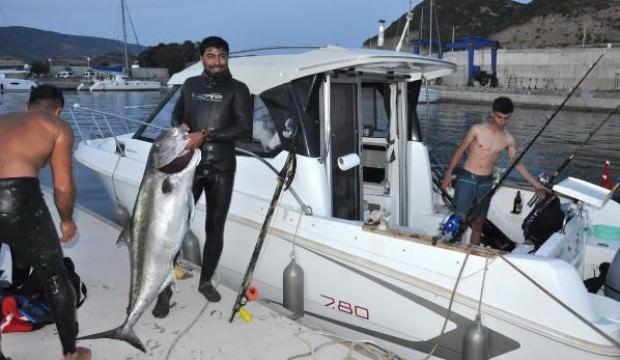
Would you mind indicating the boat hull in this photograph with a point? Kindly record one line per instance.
(391, 289)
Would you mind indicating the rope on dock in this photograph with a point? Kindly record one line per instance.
(188, 328)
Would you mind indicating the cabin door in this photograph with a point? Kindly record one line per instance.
(343, 130)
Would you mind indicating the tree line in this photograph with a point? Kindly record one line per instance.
(173, 56)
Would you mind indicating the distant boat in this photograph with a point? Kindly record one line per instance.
(8, 81)
(119, 82)
(428, 95)
(122, 82)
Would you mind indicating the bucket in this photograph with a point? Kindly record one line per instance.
(607, 232)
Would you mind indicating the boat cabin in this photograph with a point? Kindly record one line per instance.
(350, 116)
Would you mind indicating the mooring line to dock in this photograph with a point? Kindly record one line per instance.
(370, 347)
(188, 328)
(449, 310)
(561, 303)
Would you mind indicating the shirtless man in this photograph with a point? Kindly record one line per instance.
(484, 143)
(29, 140)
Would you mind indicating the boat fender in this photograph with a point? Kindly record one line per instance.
(293, 288)
(475, 342)
(191, 248)
(122, 214)
(612, 280)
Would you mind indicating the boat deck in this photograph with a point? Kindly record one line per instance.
(194, 329)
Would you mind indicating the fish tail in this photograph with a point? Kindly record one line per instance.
(120, 333)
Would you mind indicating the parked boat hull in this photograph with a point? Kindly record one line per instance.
(382, 286)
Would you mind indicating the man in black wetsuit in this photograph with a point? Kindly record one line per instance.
(217, 110)
(29, 140)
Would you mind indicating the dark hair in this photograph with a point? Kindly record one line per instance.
(46, 96)
(213, 41)
(503, 105)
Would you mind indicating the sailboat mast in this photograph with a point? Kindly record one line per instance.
(430, 30)
(421, 28)
(125, 38)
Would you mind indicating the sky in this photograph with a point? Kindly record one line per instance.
(244, 23)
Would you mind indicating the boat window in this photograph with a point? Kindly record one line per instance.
(413, 92)
(265, 137)
(375, 110)
(159, 117)
(307, 92)
(282, 112)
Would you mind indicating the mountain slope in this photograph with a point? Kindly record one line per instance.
(28, 44)
(540, 23)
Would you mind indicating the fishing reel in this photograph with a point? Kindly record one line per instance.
(544, 179)
(449, 229)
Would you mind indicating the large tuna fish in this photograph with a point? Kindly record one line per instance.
(158, 225)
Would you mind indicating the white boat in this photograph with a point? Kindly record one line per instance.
(389, 283)
(428, 96)
(119, 82)
(10, 81)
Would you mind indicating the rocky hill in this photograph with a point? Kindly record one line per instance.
(538, 24)
(31, 44)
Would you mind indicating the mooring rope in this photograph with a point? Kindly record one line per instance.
(565, 306)
(449, 310)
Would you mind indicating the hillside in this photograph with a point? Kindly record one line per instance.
(541, 23)
(30, 44)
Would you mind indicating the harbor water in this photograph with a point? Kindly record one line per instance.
(443, 125)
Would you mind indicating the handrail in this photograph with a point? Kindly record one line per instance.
(77, 107)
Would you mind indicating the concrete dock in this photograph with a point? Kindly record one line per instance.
(194, 329)
(581, 100)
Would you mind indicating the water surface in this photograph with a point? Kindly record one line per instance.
(446, 127)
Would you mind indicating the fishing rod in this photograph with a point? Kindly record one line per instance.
(285, 178)
(529, 145)
(562, 166)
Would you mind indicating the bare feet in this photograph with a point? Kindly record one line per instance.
(81, 353)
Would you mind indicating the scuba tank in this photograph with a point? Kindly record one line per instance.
(293, 288)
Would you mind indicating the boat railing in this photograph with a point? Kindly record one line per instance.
(97, 124)
(106, 124)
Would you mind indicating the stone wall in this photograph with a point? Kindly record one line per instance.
(543, 69)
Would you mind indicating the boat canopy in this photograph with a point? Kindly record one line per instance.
(267, 71)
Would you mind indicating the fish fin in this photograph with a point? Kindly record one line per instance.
(167, 186)
(124, 238)
(120, 333)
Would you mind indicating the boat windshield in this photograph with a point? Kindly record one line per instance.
(286, 117)
(160, 117)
